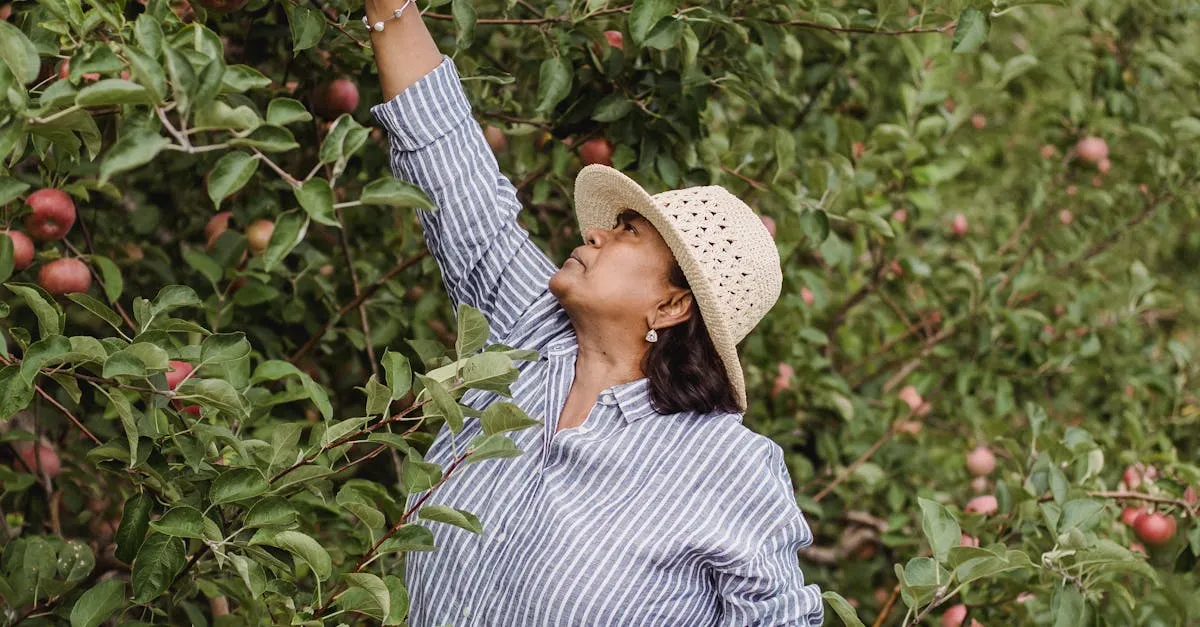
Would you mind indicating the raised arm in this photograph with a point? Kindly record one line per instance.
(487, 259)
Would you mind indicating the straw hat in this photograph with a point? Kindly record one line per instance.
(724, 249)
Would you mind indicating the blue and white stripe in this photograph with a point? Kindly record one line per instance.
(632, 518)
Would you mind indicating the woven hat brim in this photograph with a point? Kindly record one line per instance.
(601, 194)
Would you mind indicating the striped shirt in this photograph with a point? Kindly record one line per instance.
(632, 518)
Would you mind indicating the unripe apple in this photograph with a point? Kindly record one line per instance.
(959, 226)
(807, 296)
(615, 39)
(911, 396)
(217, 225)
(258, 234)
(1092, 149)
(769, 222)
(981, 461)
(1154, 528)
(22, 249)
(979, 121)
(980, 485)
(65, 276)
(984, 504)
(1065, 216)
(335, 98)
(325, 270)
(495, 138)
(596, 150)
(176, 372)
(222, 6)
(52, 214)
(39, 458)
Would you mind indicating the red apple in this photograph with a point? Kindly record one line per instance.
(596, 150)
(1154, 528)
(65, 276)
(1092, 149)
(900, 215)
(857, 150)
(911, 396)
(1048, 151)
(1133, 476)
(1072, 190)
(1129, 515)
(177, 372)
(217, 225)
(5, 11)
(783, 380)
(64, 69)
(769, 222)
(335, 98)
(22, 249)
(959, 226)
(52, 214)
(258, 234)
(950, 105)
(1104, 166)
(1065, 216)
(222, 6)
(911, 427)
(1189, 495)
(985, 504)
(979, 121)
(495, 138)
(980, 485)
(615, 39)
(954, 615)
(981, 461)
(807, 296)
(40, 457)
(968, 540)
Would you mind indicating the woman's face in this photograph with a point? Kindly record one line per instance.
(619, 274)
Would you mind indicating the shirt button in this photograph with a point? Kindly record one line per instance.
(584, 429)
(607, 399)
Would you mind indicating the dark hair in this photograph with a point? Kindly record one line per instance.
(685, 371)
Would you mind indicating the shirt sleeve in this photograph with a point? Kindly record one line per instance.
(766, 587)
(488, 260)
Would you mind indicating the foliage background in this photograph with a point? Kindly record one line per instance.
(1067, 347)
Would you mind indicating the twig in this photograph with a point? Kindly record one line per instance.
(1152, 205)
(362, 309)
(851, 29)
(366, 293)
(59, 406)
(278, 170)
(887, 607)
(756, 184)
(87, 240)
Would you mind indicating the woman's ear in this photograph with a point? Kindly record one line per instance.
(676, 308)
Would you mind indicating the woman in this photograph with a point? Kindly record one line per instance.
(642, 500)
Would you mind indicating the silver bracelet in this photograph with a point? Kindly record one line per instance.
(395, 15)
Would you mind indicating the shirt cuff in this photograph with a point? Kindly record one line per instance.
(428, 109)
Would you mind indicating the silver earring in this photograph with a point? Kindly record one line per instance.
(652, 336)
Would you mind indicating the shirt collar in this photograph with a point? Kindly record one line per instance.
(633, 397)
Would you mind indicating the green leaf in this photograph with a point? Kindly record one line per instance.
(290, 229)
(646, 14)
(172, 297)
(464, 25)
(489, 371)
(342, 428)
(452, 516)
(495, 446)
(272, 512)
(284, 111)
(554, 83)
(473, 331)
(1068, 606)
(267, 138)
(231, 173)
(345, 137)
(97, 308)
(41, 353)
(97, 604)
(374, 599)
(181, 522)
(203, 264)
(971, 31)
(125, 412)
(11, 189)
(136, 360)
(239, 78)
(273, 370)
(398, 372)
(318, 395)
(307, 25)
(443, 403)
(504, 416)
(132, 150)
(392, 192)
(18, 53)
(110, 274)
(236, 485)
(399, 598)
(213, 392)
(113, 91)
(134, 523)
(305, 549)
(871, 220)
(223, 347)
(842, 608)
(393, 440)
(940, 527)
(6, 257)
(158, 561)
(612, 108)
(410, 537)
(316, 198)
(379, 397)
(1082, 514)
(417, 475)
(252, 574)
(75, 561)
(147, 71)
(51, 320)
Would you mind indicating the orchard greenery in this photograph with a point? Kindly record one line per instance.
(982, 368)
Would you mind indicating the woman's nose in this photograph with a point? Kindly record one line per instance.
(593, 236)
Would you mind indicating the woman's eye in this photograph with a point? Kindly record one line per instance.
(629, 227)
